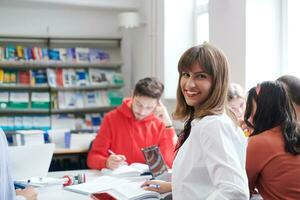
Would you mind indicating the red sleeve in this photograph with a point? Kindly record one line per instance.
(98, 154)
(167, 144)
(255, 159)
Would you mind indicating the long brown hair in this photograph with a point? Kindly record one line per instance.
(215, 63)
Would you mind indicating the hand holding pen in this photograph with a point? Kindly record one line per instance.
(157, 186)
(115, 160)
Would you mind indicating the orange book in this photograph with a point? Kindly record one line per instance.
(59, 77)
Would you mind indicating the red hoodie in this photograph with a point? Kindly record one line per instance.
(121, 133)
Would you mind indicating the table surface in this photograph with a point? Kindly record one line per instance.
(57, 192)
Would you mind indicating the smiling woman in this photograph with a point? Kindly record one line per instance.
(195, 85)
(211, 150)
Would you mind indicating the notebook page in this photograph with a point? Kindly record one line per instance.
(133, 190)
(99, 184)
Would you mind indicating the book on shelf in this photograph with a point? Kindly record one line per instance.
(53, 54)
(4, 99)
(82, 77)
(18, 122)
(82, 54)
(62, 54)
(66, 99)
(10, 53)
(24, 77)
(79, 100)
(38, 77)
(20, 52)
(95, 99)
(40, 100)
(37, 53)
(27, 122)
(59, 77)
(51, 77)
(2, 58)
(124, 170)
(18, 99)
(71, 55)
(63, 121)
(1, 76)
(41, 122)
(98, 55)
(45, 54)
(98, 77)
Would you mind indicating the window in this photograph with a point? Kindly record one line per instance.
(263, 41)
(201, 22)
(291, 17)
(272, 42)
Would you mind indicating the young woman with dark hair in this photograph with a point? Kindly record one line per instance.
(273, 152)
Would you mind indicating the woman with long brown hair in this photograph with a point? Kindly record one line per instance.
(211, 150)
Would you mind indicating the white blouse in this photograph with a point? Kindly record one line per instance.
(211, 162)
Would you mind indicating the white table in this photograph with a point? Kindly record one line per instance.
(58, 193)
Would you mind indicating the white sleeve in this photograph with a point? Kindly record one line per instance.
(19, 197)
(225, 167)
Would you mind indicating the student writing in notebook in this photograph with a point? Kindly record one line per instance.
(211, 150)
(7, 191)
(141, 121)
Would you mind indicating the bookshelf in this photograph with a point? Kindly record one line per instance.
(93, 48)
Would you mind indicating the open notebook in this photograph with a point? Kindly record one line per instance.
(118, 188)
(134, 169)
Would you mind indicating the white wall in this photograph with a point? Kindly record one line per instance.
(145, 41)
(57, 22)
(227, 27)
(31, 18)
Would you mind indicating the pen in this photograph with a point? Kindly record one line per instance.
(157, 186)
(111, 152)
(20, 185)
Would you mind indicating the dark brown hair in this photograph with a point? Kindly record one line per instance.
(293, 87)
(273, 108)
(149, 87)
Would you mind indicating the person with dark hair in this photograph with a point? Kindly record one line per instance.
(211, 150)
(273, 152)
(141, 121)
(292, 84)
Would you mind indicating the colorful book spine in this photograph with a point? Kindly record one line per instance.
(24, 77)
(20, 53)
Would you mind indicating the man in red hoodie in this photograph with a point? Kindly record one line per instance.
(141, 121)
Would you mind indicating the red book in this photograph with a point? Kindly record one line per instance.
(24, 77)
(101, 196)
(59, 77)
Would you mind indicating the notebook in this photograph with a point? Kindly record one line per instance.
(134, 169)
(30, 160)
(118, 188)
